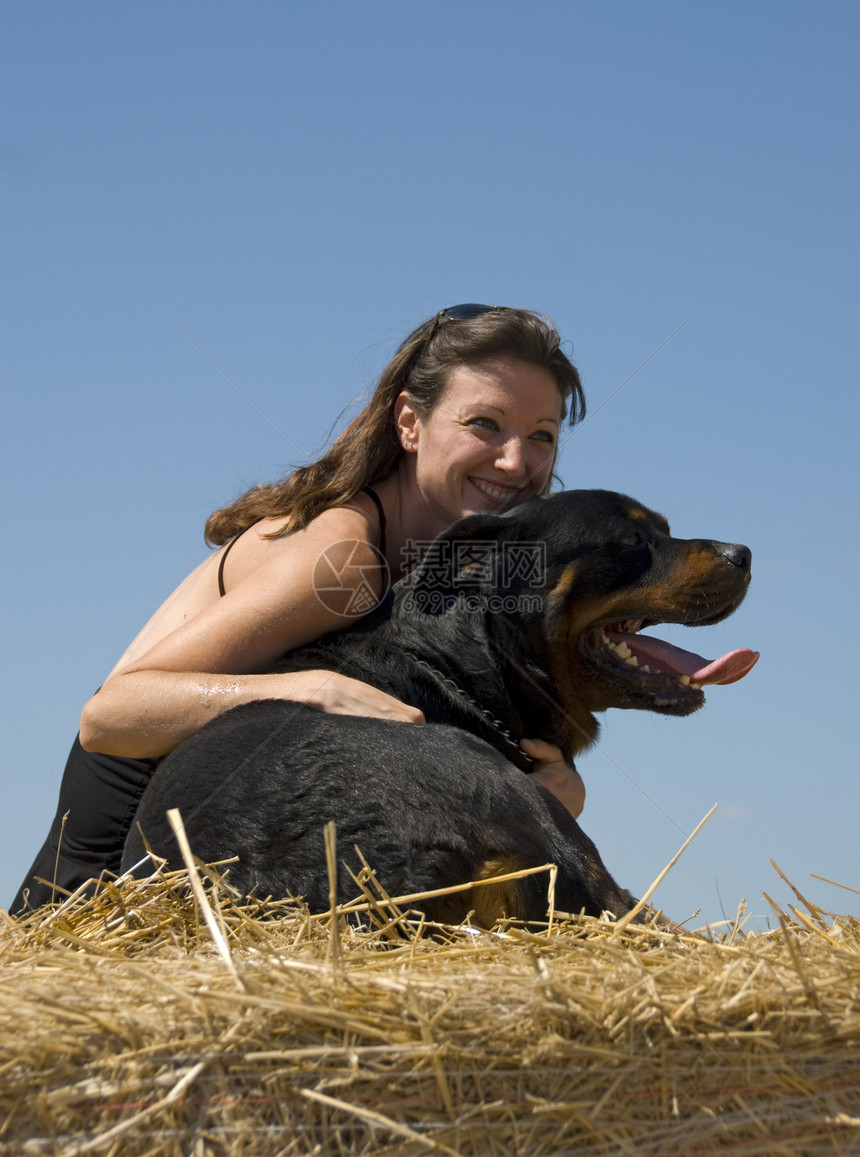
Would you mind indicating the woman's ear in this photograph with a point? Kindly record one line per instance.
(407, 422)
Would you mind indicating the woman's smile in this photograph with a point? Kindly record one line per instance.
(499, 493)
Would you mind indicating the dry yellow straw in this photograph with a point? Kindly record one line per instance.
(110, 1135)
(122, 1032)
(330, 837)
(414, 897)
(378, 1119)
(835, 883)
(175, 821)
(634, 912)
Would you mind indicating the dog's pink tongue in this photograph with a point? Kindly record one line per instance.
(727, 669)
(656, 652)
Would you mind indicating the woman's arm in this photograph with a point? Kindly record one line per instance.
(205, 666)
(146, 713)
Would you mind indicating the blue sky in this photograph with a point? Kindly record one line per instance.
(289, 188)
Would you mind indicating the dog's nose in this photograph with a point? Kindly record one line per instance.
(737, 555)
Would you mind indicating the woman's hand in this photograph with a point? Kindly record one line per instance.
(341, 695)
(555, 775)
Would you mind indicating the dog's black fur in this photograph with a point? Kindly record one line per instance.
(435, 805)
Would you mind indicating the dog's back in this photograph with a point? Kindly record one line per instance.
(426, 807)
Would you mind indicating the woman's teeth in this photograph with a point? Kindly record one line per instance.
(496, 492)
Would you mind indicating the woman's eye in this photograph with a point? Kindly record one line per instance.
(484, 422)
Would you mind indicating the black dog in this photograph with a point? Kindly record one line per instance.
(519, 625)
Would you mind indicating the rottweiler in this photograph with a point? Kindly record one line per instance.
(522, 624)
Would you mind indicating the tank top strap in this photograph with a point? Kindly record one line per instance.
(221, 588)
(379, 510)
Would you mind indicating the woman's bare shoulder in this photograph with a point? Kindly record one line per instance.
(358, 518)
(268, 581)
(260, 564)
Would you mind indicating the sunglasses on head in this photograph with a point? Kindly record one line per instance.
(457, 313)
(461, 313)
(465, 312)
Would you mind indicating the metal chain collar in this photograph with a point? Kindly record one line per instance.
(467, 698)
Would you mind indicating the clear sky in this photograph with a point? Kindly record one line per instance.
(221, 218)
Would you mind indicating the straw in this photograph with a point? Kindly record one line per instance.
(131, 1025)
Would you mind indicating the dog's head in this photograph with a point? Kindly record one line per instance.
(580, 574)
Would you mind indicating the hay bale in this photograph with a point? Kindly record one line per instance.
(127, 1029)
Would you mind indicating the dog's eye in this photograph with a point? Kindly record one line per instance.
(634, 538)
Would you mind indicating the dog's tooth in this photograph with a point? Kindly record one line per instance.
(632, 661)
(685, 680)
(695, 686)
(604, 639)
(623, 651)
(647, 669)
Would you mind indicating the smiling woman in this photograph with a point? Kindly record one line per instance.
(465, 418)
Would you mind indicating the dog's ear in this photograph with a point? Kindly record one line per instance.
(480, 553)
(464, 554)
(475, 526)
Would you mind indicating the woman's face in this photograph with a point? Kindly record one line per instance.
(489, 443)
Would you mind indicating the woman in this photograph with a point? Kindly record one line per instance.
(464, 419)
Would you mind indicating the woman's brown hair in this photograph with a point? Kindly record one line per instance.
(369, 448)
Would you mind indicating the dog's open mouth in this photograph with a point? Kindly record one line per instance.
(644, 666)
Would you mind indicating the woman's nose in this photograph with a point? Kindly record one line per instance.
(512, 457)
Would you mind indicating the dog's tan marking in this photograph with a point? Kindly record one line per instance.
(561, 590)
(696, 581)
(494, 902)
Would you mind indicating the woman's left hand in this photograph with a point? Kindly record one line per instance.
(555, 775)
